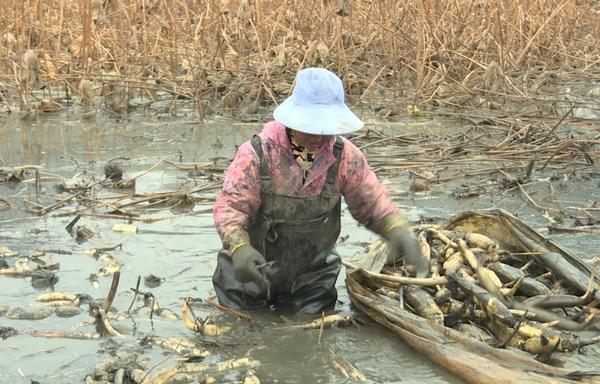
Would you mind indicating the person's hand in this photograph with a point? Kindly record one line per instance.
(404, 244)
(246, 260)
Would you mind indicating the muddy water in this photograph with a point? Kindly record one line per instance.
(182, 252)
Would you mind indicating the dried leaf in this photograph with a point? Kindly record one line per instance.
(85, 92)
(97, 9)
(48, 105)
(322, 51)
(231, 59)
(243, 12)
(30, 70)
(9, 43)
(281, 87)
(343, 8)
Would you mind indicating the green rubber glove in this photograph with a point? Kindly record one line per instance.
(404, 244)
(246, 260)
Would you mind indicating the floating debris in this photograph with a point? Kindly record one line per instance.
(125, 228)
(67, 310)
(418, 185)
(30, 72)
(6, 252)
(48, 105)
(113, 170)
(12, 175)
(86, 97)
(43, 278)
(80, 233)
(152, 281)
(6, 332)
(29, 313)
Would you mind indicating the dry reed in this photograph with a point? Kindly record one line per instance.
(458, 55)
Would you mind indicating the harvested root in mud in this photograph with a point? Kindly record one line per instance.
(502, 298)
(57, 296)
(423, 304)
(64, 335)
(166, 313)
(184, 347)
(202, 326)
(15, 272)
(111, 266)
(347, 369)
(250, 378)
(424, 245)
(165, 375)
(118, 369)
(6, 252)
(560, 301)
(326, 321)
(400, 279)
(493, 306)
(103, 324)
(467, 254)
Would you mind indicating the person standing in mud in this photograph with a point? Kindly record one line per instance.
(278, 213)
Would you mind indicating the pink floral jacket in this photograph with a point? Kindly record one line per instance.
(239, 200)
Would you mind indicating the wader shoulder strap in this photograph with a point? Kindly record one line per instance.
(265, 175)
(338, 148)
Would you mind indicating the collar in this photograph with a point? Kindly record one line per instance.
(275, 132)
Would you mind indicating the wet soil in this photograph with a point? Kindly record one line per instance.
(182, 253)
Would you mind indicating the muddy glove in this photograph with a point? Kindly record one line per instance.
(405, 244)
(246, 260)
(394, 229)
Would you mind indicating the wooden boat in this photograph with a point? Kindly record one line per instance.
(466, 357)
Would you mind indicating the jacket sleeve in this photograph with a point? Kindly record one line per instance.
(239, 199)
(368, 200)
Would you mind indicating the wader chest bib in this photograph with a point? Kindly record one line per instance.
(297, 234)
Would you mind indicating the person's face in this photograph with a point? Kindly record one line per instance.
(309, 141)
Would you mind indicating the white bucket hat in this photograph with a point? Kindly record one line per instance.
(317, 105)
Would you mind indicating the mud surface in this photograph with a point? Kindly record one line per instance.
(182, 252)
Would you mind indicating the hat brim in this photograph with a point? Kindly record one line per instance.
(317, 120)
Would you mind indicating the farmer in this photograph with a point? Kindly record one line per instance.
(278, 213)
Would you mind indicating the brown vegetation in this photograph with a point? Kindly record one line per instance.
(229, 54)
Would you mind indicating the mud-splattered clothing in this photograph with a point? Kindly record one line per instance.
(240, 198)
